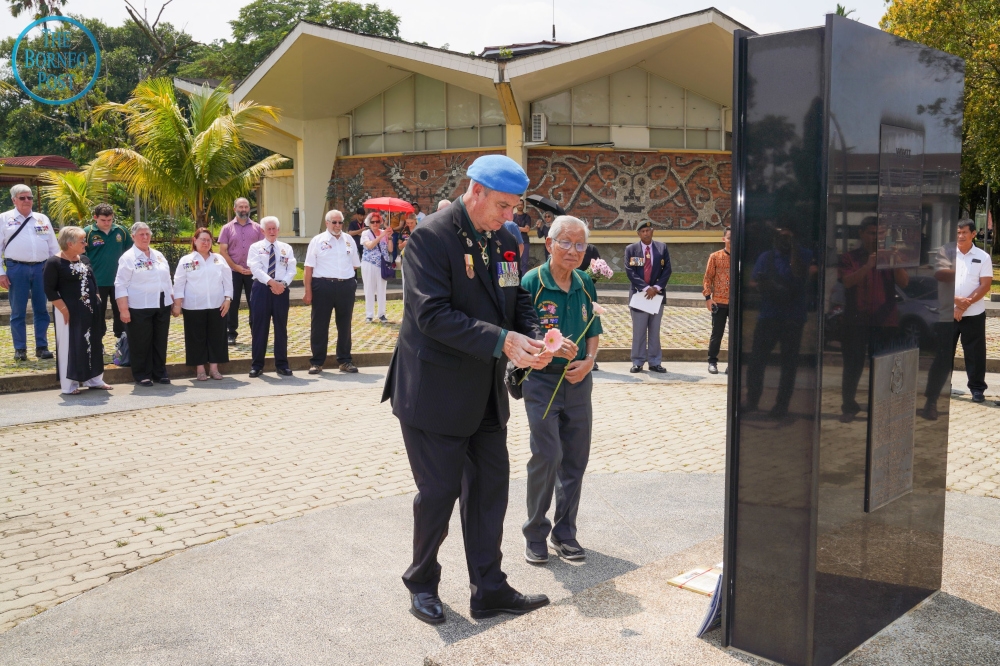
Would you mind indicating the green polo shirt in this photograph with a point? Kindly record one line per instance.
(568, 311)
(105, 249)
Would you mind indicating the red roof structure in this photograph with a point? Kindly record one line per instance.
(41, 162)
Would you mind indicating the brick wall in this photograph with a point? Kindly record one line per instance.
(421, 178)
(615, 190)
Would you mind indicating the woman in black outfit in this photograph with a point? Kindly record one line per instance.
(72, 289)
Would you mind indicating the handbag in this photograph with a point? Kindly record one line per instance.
(121, 355)
(386, 265)
(512, 379)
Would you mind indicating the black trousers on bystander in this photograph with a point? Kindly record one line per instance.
(719, 318)
(205, 337)
(108, 294)
(241, 283)
(331, 296)
(147, 342)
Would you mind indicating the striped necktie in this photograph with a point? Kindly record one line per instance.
(271, 264)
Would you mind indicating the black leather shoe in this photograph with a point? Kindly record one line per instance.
(514, 604)
(977, 396)
(43, 353)
(635, 368)
(657, 368)
(164, 380)
(284, 372)
(348, 367)
(20, 354)
(255, 372)
(930, 411)
(426, 607)
(713, 369)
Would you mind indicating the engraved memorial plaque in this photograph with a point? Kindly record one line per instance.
(890, 427)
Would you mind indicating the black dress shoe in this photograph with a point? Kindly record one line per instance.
(164, 380)
(284, 372)
(20, 354)
(426, 607)
(43, 353)
(515, 604)
(977, 396)
(255, 372)
(657, 368)
(635, 368)
(930, 411)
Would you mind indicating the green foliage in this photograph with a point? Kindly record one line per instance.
(262, 24)
(970, 30)
(70, 196)
(842, 10)
(37, 8)
(189, 160)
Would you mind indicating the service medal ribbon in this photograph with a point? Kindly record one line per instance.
(470, 269)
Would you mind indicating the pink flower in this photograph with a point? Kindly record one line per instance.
(553, 340)
(598, 310)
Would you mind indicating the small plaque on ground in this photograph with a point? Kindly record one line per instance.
(890, 427)
(702, 580)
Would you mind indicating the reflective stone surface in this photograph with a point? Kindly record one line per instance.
(845, 185)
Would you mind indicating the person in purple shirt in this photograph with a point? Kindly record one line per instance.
(235, 240)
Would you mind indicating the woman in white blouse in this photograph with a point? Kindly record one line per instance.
(144, 295)
(203, 289)
(377, 244)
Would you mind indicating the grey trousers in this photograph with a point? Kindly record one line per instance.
(560, 449)
(646, 337)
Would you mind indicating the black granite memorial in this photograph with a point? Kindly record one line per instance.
(846, 160)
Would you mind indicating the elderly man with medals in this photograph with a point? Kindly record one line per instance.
(465, 315)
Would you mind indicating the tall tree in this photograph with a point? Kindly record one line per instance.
(192, 159)
(262, 24)
(969, 29)
(37, 8)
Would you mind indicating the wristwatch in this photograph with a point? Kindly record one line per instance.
(593, 356)
(708, 298)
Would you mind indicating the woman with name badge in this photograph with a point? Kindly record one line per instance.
(144, 294)
(72, 288)
(377, 244)
(203, 291)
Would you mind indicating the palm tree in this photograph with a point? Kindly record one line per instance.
(842, 10)
(195, 159)
(38, 8)
(72, 195)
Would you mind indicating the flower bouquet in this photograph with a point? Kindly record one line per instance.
(598, 270)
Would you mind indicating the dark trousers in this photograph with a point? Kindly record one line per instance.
(107, 295)
(205, 337)
(719, 319)
(331, 296)
(241, 283)
(475, 470)
(972, 331)
(768, 334)
(265, 307)
(147, 342)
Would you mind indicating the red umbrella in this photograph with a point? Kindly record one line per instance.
(390, 204)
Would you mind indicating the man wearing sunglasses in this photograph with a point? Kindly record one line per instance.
(27, 239)
(647, 264)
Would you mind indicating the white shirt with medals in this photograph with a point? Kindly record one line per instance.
(35, 243)
(332, 257)
(284, 262)
(203, 283)
(142, 279)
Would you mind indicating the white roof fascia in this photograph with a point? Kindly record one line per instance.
(572, 52)
(379, 46)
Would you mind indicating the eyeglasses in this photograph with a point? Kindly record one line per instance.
(27, 198)
(336, 221)
(565, 244)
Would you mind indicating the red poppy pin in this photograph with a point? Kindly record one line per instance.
(509, 256)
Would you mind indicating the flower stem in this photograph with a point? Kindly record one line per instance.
(577, 341)
(552, 399)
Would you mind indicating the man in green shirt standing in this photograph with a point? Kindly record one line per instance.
(564, 298)
(106, 243)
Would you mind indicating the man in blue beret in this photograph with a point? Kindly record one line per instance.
(465, 315)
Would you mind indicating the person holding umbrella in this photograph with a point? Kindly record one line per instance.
(376, 253)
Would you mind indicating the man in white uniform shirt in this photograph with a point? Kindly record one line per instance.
(972, 272)
(27, 239)
(331, 286)
(272, 264)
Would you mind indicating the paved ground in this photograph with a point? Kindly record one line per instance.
(86, 498)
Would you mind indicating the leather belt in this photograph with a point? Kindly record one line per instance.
(335, 279)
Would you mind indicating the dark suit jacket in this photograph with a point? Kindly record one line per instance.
(661, 267)
(443, 368)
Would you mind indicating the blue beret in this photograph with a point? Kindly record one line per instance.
(500, 173)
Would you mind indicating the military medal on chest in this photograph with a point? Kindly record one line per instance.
(507, 273)
(470, 269)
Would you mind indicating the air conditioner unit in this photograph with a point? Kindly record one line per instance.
(539, 127)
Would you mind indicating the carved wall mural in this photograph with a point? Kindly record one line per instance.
(615, 190)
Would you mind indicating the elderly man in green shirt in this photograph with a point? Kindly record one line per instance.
(564, 298)
(106, 243)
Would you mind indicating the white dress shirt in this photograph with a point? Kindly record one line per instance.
(332, 257)
(203, 283)
(969, 268)
(284, 262)
(37, 242)
(142, 279)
